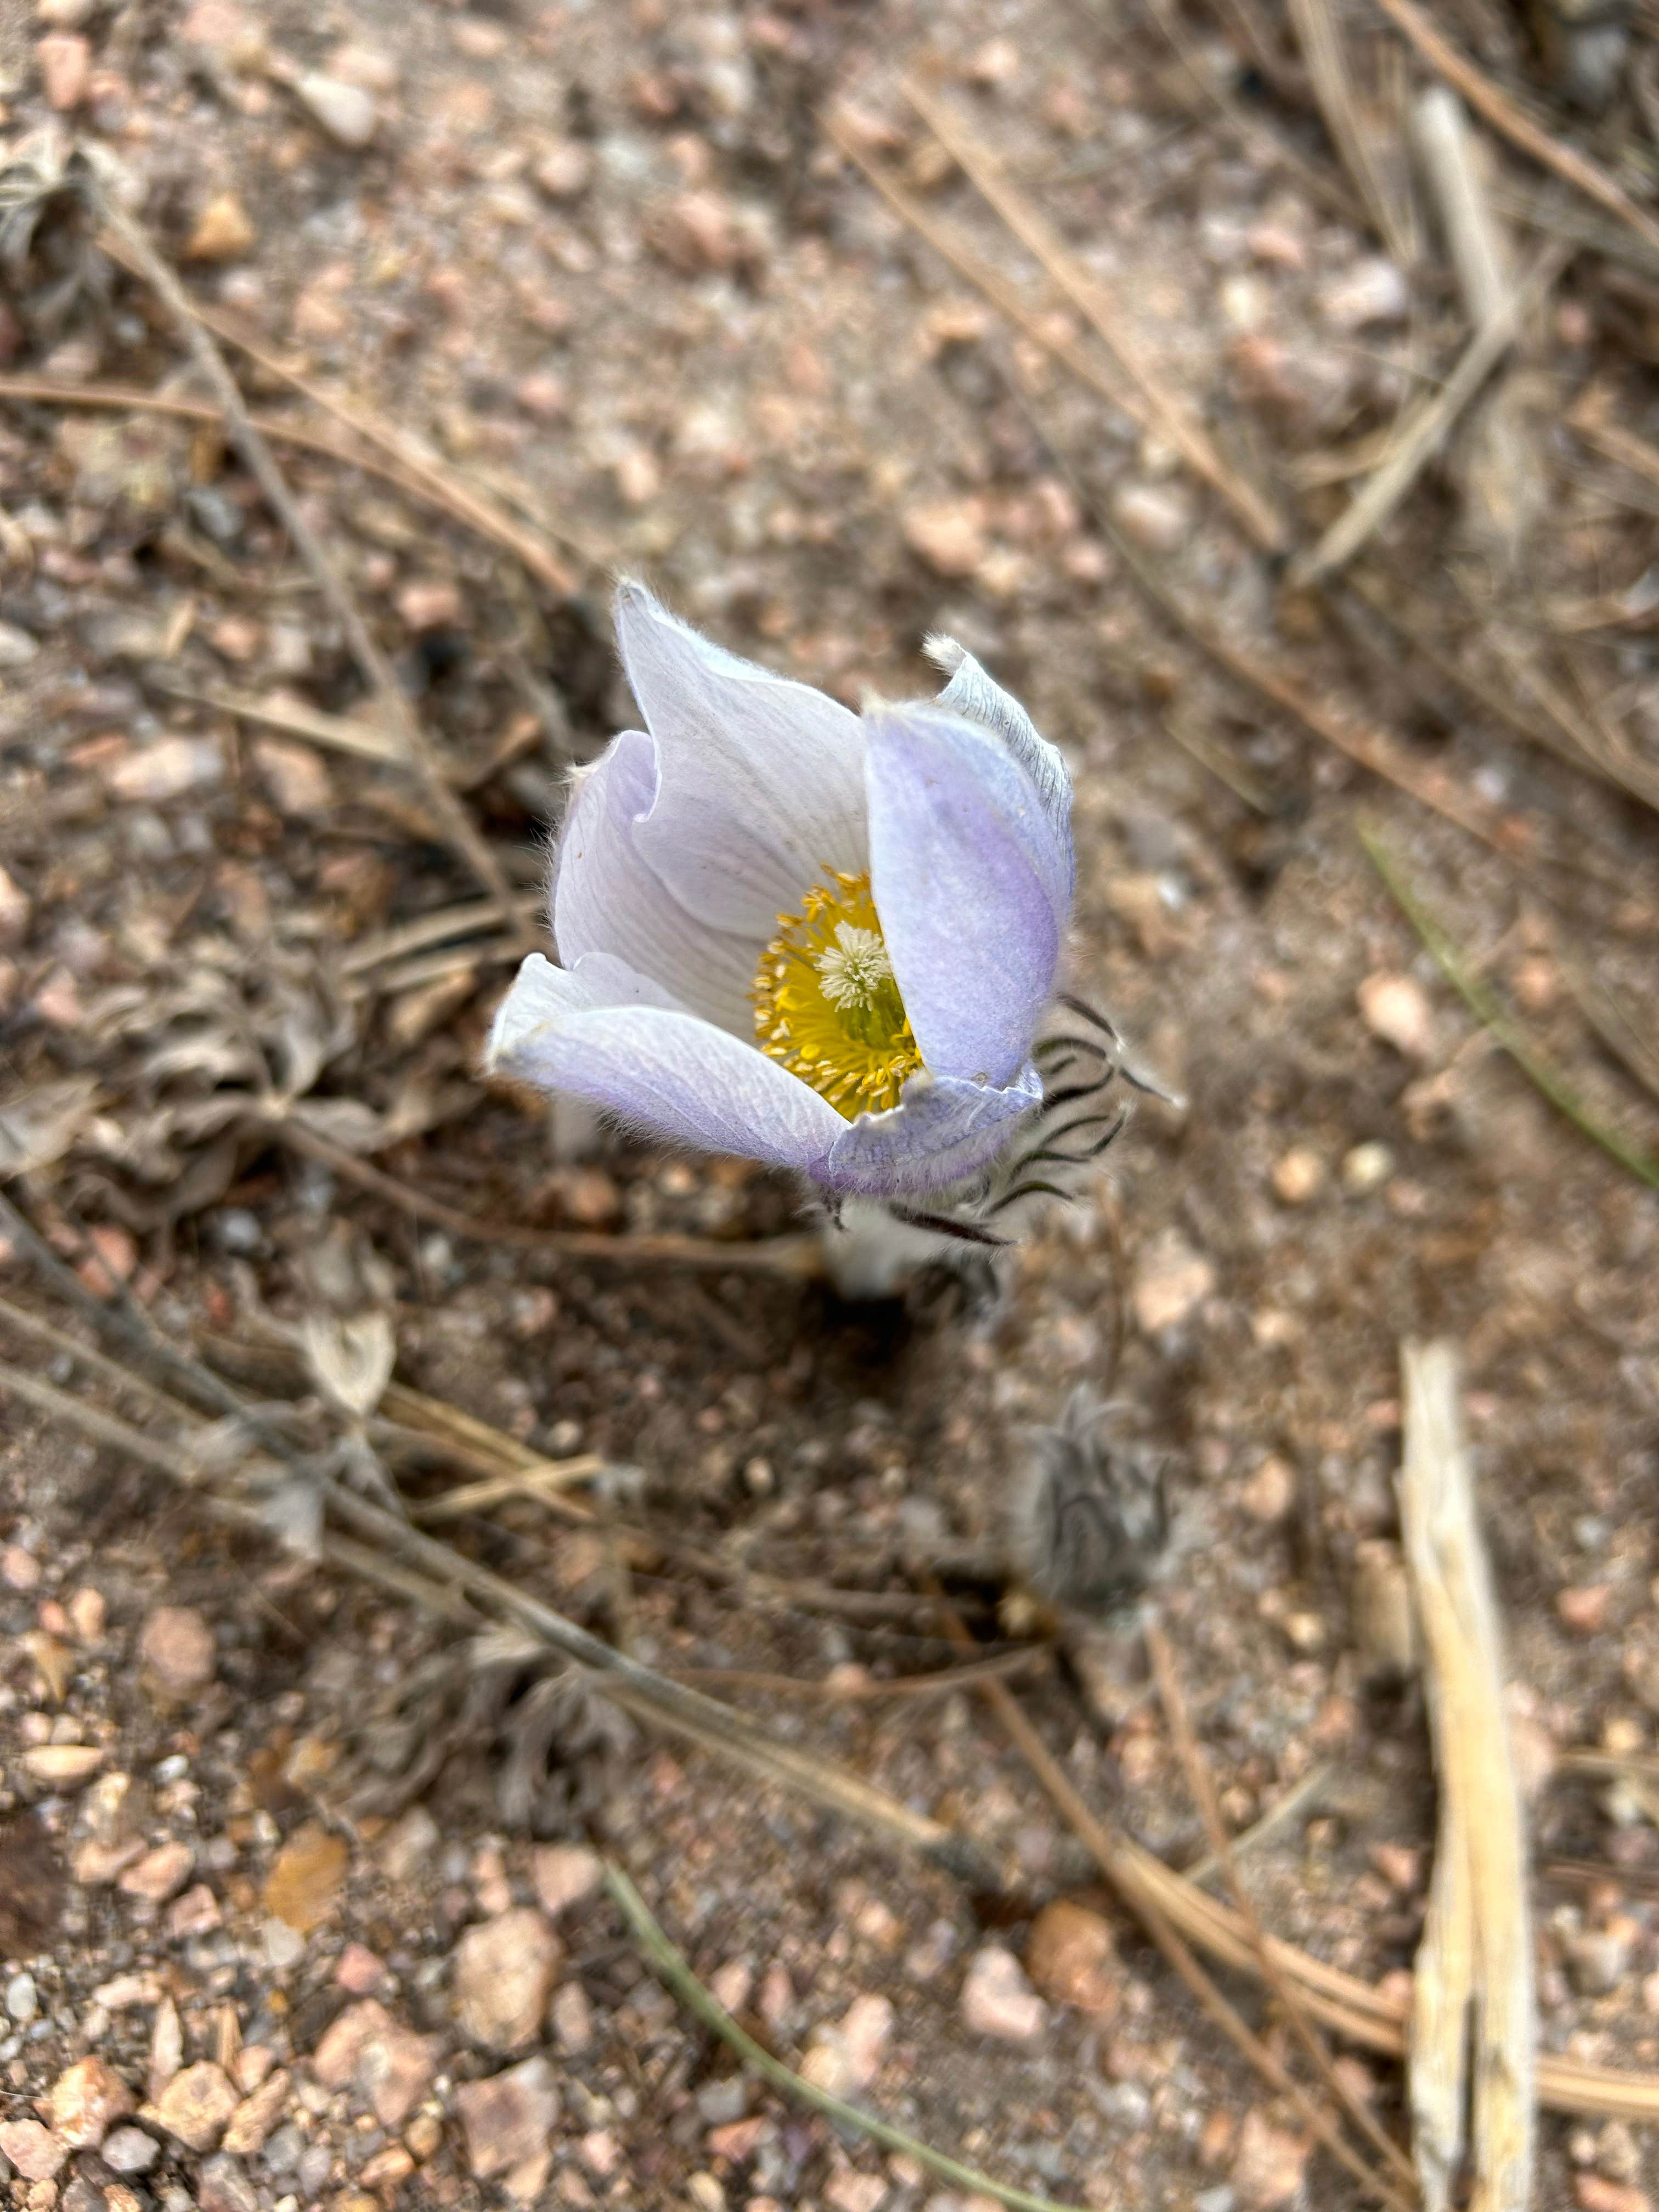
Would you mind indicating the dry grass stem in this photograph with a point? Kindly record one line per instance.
(1372, 2019)
(677, 1977)
(476, 1496)
(1171, 415)
(1485, 1005)
(1320, 37)
(797, 1257)
(1589, 417)
(418, 752)
(1113, 1855)
(1267, 146)
(338, 733)
(1457, 1610)
(1279, 1814)
(1202, 1789)
(426, 484)
(1501, 112)
(448, 924)
(1427, 427)
(651, 1697)
(406, 460)
(985, 279)
(896, 1689)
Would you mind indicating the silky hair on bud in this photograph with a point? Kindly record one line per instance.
(1091, 1518)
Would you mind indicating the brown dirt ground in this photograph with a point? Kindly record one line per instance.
(605, 259)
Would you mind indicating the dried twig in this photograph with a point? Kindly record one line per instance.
(900, 1688)
(1116, 1858)
(1087, 293)
(1283, 1810)
(339, 733)
(1501, 112)
(1426, 427)
(418, 752)
(798, 1257)
(442, 927)
(121, 398)
(1320, 40)
(1203, 1792)
(1269, 148)
(648, 1695)
(1458, 1611)
(553, 1476)
(412, 463)
(1373, 2018)
(995, 287)
(1488, 1008)
(677, 1977)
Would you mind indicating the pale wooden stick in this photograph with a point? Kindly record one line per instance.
(1171, 415)
(1501, 112)
(1479, 251)
(1426, 429)
(1458, 1610)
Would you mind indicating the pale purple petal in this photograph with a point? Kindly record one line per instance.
(541, 993)
(607, 897)
(760, 790)
(666, 1075)
(941, 1132)
(972, 885)
(975, 695)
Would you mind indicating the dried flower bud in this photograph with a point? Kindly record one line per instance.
(1091, 1519)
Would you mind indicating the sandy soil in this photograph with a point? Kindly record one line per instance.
(607, 263)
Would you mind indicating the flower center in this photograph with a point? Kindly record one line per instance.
(827, 1003)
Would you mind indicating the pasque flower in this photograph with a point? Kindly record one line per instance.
(816, 939)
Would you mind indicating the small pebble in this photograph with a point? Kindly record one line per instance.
(1396, 1009)
(22, 2002)
(130, 2150)
(17, 647)
(1171, 1281)
(564, 169)
(223, 231)
(845, 2056)
(564, 1874)
(1583, 1611)
(1268, 2164)
(1298, 1176)
(948, 534)
(86, 2101)
(19, 1568)
(346, 111)
(65, 60)
(1158, 517)
(996, 2000)
(1268, 1494)
(504, 1973)
(195, 2105)
(1371, 291)
(507, 2118)
(34, 2150)
(1366, 1168)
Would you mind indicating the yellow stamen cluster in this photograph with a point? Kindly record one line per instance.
(827, 1003)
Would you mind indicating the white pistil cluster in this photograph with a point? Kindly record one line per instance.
(854, 969)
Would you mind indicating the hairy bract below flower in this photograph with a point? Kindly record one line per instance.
(816, 939)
